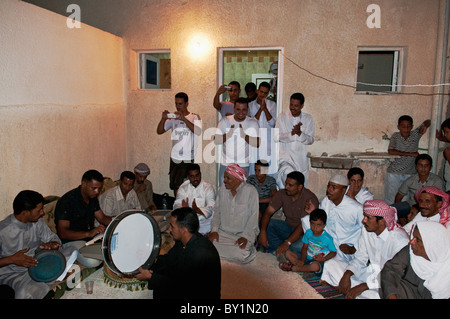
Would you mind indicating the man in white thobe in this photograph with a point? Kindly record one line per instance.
(295, 132)
(381, 239)
(199, 195)
(234, 225)
(344, 217)
(265, 112)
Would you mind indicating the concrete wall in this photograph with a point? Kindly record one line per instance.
(320, 36)
(62, 106)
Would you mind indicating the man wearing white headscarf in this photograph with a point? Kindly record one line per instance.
(380, 240)
(422, 269)
(234, 225)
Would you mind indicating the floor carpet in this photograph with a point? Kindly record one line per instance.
(326, 291)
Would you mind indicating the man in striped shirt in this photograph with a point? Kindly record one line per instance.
(265, 185)
(405, 144)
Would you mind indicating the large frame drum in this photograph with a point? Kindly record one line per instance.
(131, 240)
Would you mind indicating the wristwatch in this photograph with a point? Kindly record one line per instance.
(288, 242)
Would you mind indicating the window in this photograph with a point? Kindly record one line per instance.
(154, 70)
(379, 69)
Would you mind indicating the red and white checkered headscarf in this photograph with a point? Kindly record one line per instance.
(378, 207)
(444, 210)
(237, 171)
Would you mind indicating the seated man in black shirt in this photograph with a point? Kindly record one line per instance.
(191, 269)
(75, 214)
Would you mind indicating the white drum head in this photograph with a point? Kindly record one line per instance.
(131, 240)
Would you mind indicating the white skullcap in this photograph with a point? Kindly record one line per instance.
(339, 179)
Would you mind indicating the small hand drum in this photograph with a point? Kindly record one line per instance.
(51, 264)
(131, 240)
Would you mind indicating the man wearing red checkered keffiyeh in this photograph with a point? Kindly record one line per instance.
(431, 208)
(442, 197)
(377, 207)
(381, 239)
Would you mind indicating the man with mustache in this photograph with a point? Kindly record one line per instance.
(381, 239)
(434, 205)
(234, 225)
(423, 178)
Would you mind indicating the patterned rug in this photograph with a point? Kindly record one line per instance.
(325, 290)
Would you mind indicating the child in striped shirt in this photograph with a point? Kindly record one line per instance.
(405, 144)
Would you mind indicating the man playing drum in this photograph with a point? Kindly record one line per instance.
(21, 235)
(76, 212)
(191, 269)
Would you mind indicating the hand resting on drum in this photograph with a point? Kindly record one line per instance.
(19, 259)
(144, 274)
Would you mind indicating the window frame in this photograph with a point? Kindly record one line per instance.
(140, 73)
(398, 71)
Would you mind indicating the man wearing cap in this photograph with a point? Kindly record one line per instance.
(381, 239)
(434, 205)
(344, 216)
(143, 187)
(234, 225)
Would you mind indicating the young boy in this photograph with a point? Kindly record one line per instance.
(404, 143)
(318, 247)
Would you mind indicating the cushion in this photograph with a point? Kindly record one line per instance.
(49, 210)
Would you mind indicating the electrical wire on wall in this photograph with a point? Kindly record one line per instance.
(373, 84)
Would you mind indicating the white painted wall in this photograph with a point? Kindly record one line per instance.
(320, 36)
(62, 106)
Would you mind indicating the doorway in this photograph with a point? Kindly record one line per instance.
(251, 64)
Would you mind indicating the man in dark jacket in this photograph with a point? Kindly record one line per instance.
(191, 269)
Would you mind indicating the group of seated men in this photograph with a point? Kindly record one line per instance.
(354, 242)
(351, 240)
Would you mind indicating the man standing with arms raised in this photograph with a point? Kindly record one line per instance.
(184, 140)
(226, 108)
(265, 112)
